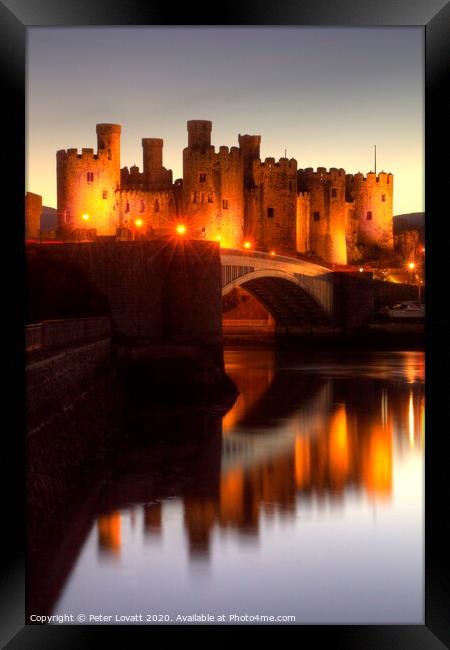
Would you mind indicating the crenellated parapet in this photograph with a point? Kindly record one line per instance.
(132, 178)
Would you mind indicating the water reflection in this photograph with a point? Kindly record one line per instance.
(305, 438)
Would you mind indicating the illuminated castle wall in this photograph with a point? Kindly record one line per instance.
(231, 196)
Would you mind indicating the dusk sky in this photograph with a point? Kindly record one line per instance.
(326, 95)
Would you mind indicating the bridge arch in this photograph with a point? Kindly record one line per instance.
(283, 295)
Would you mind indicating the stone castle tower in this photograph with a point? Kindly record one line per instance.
(372, 196)
(230, 196)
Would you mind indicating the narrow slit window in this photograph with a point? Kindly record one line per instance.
(270, 213)
(316, 216)
(90, 177)
(156, 205)
(225, 204)
(383, 198)
(202, 178)
(127, 207)
(333, 192)
(369, 215)
(105, 194)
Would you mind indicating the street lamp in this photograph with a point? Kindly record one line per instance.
(411, 267)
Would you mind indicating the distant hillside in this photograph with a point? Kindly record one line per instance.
(409, 221)
(49, 218)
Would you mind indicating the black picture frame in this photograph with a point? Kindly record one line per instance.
(434, 15)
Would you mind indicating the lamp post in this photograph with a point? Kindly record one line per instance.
(411, 267)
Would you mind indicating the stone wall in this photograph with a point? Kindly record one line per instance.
(33, 210)
(152, 290)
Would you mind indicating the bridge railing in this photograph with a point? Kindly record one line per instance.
(57, 333)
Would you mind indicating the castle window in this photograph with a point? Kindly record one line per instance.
(127, 207)
(316, 216)
(105, 194)
(194, 197)
(90, 177)
(333, 193)
(67, 216)
(290, 186)
(225, 204)
(143, 206)
(202, 198)
(202, 178)
(369, 216)
(270, 213)
(210, 199)
(383, 198)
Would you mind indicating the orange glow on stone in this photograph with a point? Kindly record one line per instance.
(272, 252)
(85, 217)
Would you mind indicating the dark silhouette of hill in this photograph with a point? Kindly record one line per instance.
(409, 221)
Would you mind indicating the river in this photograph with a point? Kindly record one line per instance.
(304, 500)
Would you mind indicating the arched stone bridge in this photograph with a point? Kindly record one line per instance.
(297, 293)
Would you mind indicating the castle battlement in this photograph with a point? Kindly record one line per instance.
(322, 173)
(232, 154)
(371, 177)
(271, 163)
(86, 154)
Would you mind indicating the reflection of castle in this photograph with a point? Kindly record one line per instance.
(230, 195)
(352, 447)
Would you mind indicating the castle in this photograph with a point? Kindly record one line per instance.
(230, 196)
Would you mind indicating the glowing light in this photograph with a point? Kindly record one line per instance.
(247, 245)
(272, 252)
(85, 217)
(218, 237)
(411, 420)
(361, 269)
(139, 223)
(181, 229)
(411, 265)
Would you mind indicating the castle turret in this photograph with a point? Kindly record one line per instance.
(327, 224)
(373, 196)
(271, 206)
(155, 176)
(108, 138)
(249, 146)
(213, 187)
(199, 133)
(87, 184)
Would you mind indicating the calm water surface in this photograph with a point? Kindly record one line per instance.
(305, 499)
